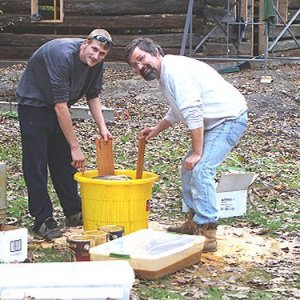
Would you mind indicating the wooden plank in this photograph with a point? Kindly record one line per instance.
(140, 157)
(170, 40)
(24, 52)
(289, 53)
(128, 7)
(16, 6)
(295, 29)
(105, 157)
(105, 7)
(219, 33)
(244, 9)
(159, 22)
(285, 45)
(34, 6)
(261, 28)
(216, 49)
(77, 112)
(54, 10)
(293, 4)
(221, 3)
(251, 20)
(283, 7)
(116, 7)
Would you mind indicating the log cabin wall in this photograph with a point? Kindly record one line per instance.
(163, 21)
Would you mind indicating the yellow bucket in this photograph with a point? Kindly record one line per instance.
(120, 202)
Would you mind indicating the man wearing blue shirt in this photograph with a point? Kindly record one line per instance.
(58, 74)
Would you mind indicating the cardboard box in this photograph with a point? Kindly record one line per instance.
(66, 280)
(152, 253)
(13, 244)
(232, 192)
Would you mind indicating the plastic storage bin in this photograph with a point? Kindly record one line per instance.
(69, 280)
(152, 253)
(123, 203)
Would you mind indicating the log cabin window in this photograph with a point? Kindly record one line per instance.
(47, 11)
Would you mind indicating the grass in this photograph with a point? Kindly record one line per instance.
(50, 255)
(153, 293)
(272, 203)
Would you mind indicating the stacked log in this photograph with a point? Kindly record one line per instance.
(163, 21)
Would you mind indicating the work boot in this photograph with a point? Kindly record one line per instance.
(209, 232)
(49, 229)
(74, 220)
(188, 227)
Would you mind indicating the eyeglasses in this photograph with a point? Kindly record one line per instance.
(140, 60)
(102, 39)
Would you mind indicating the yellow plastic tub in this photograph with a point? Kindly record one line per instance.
(124, 203)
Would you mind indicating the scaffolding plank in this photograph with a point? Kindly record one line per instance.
(77, 112)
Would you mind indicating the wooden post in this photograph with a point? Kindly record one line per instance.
(61, 10)
(283, 7)
(34, 7)
(252, 26)
(261, 29)
(54, 9)
(244, 9)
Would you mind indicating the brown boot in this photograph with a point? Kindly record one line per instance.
(209, 232)
(188, 227)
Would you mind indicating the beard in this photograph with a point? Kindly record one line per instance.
(149, 75)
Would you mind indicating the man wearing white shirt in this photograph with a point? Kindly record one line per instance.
(214, 112)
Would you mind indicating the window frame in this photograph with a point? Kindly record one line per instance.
(35, 10)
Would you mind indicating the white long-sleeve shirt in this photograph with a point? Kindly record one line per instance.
(197, 94)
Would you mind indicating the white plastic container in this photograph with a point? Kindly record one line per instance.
(152, 253)
(67, 280)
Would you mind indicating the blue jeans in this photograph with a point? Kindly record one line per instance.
(198, 185)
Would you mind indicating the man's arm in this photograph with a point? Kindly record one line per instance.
(150, 132)
(197, 147)
(96, 110)
(65, 122)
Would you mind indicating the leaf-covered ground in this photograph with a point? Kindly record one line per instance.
(258, 256)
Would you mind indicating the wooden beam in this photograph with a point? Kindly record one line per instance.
(244, 9)
(34, 7)
(157, 21)
(54, 10)
(81, 112)
(170, 40)
(116, 7)
(261, 29)
(128, 7)
(294, 4)
(283, 7)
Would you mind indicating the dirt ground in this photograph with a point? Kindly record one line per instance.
(239, 248)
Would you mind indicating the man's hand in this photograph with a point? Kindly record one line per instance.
(78, 159)
(105, 134)
(65, 122)
(191, 161)
(149, 133)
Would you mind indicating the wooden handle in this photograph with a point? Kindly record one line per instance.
(140, 158)
(105, 157)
